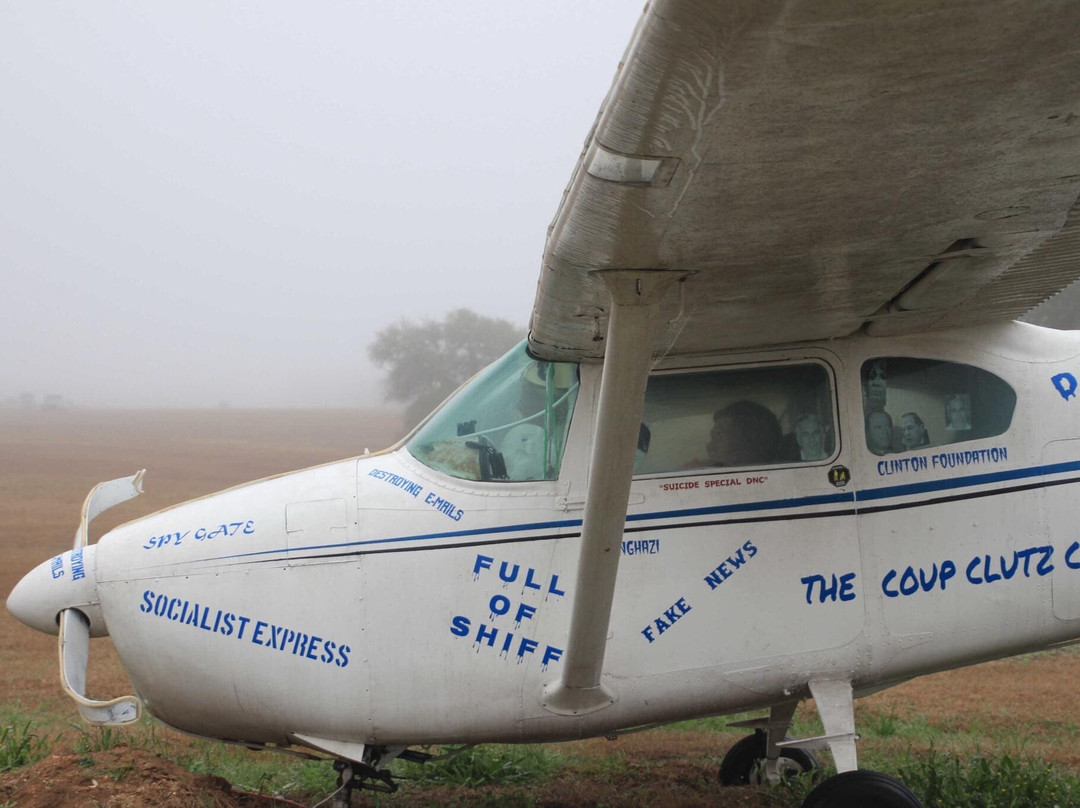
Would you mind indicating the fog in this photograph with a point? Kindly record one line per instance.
(206, 202)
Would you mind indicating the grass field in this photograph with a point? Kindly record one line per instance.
(1025, 709)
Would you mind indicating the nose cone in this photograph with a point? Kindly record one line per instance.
(64, 582)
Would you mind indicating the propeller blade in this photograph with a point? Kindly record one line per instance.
(102, 497)
(74, 656)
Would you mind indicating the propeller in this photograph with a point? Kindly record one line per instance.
(75, 625)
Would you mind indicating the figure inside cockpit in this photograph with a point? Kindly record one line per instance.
(744, 433)
(810, 437)
(876, 389)
(879, 432)
(913, 432)
(958, 412)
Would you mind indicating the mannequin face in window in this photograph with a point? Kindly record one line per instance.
(876, 388)
(811, 437)
(879, 432)
(912, 431)
(743, 433)
(725, 448)
(957, 417)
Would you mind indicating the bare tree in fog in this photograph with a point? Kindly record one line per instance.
(427, 361)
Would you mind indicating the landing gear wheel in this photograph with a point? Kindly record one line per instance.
(743, 762)
(862, 789)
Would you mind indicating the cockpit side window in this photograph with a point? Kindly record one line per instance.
(738, 418)
(509, 424)
(911, 404)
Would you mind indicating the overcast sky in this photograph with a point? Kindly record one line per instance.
(211, 201)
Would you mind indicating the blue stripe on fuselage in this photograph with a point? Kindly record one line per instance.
(867, 495)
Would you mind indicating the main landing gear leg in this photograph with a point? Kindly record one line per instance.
(759, 758)
(850, 788)
(781, 763)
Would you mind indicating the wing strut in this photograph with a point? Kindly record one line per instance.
(635, 298)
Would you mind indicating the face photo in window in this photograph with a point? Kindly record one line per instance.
(958, 412)
(879, 432)
(913, 431)
(875, 390)
(810, 437)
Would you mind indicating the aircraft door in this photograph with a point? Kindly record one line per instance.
(740, 516)
(949, 522)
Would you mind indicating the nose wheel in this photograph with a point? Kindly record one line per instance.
(353, 776)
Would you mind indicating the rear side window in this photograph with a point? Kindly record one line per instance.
(912, 404)
(737, 418)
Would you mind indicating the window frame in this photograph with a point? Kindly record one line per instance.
(469, 388)
(832, 397)
(979, 368)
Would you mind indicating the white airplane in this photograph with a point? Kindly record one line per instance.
(773, 435)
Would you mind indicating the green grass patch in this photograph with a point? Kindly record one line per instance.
(45, 721)
(261, 772)
(714, 724)
(947, 781)
(22, 744)
(605, 768)
(494, 764)
(952, 781)
(99, 739)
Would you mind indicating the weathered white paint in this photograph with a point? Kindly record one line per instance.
(390, 585)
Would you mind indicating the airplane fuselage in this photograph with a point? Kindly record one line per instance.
(380, 600)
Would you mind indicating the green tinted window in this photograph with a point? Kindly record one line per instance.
(508, 424)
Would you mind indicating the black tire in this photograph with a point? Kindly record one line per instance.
(743, 759)
(862, 789)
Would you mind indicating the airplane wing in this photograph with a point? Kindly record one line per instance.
(769, 171)
(823, 168)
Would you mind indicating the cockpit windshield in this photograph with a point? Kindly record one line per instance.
(509, 424)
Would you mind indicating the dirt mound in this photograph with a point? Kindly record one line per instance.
(121, 778)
